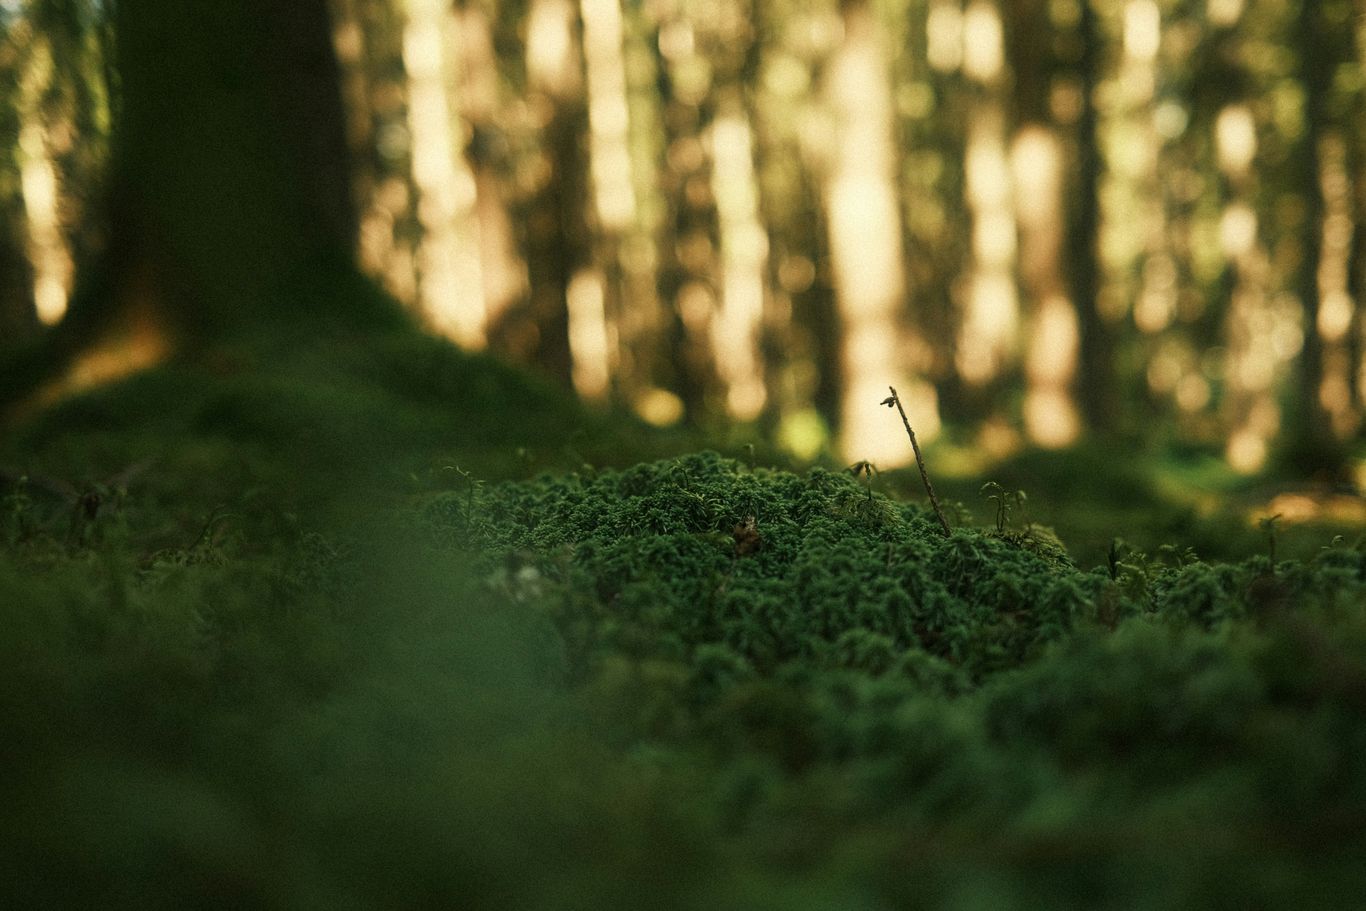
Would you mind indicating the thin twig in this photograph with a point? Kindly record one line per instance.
(895, 399)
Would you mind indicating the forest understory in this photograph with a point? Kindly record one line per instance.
(381, 624)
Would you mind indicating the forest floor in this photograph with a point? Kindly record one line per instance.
(377, 624)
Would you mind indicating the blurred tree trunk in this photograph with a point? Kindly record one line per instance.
(354, 81)
(1356, 270)
(1309, 443)
(557, 244)
(689, 274)
(800, 341)
(369, 42)
(229, 199)
(231, 166)
(1356, 261)
(741, 257)
(1036, 150)
(1096, 383)
(18, 318)
(553, 233)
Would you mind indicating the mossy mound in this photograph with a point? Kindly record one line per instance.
(349, 407)
(960, 721)
(276, 669)
(700, 552)
(324, 430)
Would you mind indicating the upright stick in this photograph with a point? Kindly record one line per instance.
(895, 399)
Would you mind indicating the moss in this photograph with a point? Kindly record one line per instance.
(323, 653)
(698, 551)
(838, 667)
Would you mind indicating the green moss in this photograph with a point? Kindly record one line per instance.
(321, 653)
(856, 687)
(668, 557)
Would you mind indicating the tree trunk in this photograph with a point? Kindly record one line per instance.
(1096, 387)
(18, 319)
(1309, 444)
(689, 274)
(228, 201)
(557, 245)
(231, 165)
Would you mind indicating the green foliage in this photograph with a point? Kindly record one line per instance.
(317, 654)
(969, 692)
(666, 557)
(323, 724)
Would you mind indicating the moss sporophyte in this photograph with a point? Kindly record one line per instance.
(894, 400)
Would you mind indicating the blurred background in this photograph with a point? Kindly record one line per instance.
(1041, 220)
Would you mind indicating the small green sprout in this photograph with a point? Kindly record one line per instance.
(1270, 525)
(1006, 500)
(867, 469)
(472, 490)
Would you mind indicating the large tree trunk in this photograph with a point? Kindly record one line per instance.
(228, 204)
(231, 174)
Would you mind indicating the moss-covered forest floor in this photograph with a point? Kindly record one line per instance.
(372, 625)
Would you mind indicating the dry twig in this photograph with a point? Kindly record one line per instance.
(895, 400)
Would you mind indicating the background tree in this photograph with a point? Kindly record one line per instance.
(1095, 379)
(1089, 215)
(1323, 40)
(228, 203)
